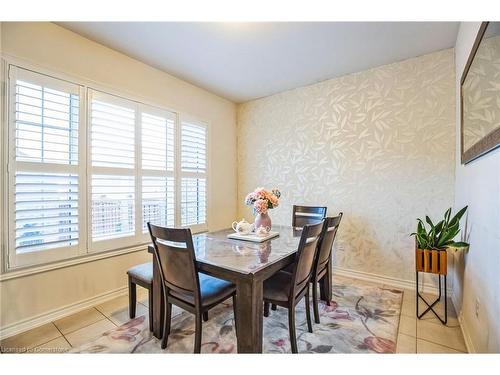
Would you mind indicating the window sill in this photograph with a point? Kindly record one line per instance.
(32, 270)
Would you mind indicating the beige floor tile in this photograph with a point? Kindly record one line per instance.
(142, 295)
(59, 345)
(79, 320)
(440, 334)
(424, 346)
(29, 339)
(114, 305)
(430, 317)
(408, 307)
(408, 325)
(406, 344)
(122, 316)
(89, 333)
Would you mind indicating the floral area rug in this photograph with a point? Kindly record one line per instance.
(362, 318)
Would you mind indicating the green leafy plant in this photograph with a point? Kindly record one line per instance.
(441, 235)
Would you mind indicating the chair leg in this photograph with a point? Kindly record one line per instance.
(132, 298)
(234, 312)
(197, 333)
(166, 324)
(308, 312)
(205, 316)
(274, 307)
(315, 302)
(291, 327)
(150, 306)
(266, 309)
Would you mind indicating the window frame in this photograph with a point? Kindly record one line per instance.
(14, 259)
(46, 260)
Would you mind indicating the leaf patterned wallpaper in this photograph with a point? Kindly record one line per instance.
(378, 145)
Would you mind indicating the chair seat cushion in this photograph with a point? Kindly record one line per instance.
(277, 287)
(143, 272)
(212, 290)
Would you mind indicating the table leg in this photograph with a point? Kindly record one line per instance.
(158, 305)
(249, 315)
(325, 285)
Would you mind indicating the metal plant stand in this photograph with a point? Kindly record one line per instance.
(435, 262)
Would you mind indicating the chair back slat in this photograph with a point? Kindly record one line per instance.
(306, 215)
(174, 252)
(330, 227)
(306, 254)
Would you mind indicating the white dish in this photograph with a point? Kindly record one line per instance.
(252, 236)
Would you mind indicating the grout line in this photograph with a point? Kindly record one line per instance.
(43, 343)
(62, 334)
(445, 346)
(90, 308)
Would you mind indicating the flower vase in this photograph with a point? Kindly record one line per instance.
(262, 220)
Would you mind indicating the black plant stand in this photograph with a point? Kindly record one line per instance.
(432, 261)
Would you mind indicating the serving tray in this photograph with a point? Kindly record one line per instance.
(253, 237)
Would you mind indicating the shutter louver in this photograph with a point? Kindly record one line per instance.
(113, 206)
(45, 193)
(193, 148)
(113, 135)
(46, 211)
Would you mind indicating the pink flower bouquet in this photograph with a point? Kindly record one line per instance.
(263, 200)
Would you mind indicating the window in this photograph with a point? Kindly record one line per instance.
(44, 169)
(158, 182)
(88, 170)
(113, 170)
(193, 174)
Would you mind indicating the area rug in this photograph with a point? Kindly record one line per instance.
(362, 318)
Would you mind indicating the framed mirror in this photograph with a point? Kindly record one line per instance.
(480, 95)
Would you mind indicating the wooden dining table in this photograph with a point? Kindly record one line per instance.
(247, 265)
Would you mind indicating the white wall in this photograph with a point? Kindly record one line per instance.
(377, 145)
(477, 273)
(58, 49)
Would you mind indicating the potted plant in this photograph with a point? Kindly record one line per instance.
(432, 243)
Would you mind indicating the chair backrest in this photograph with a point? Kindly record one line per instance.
(330, 227)
(174, 252)
(305, 215)
(304, 260)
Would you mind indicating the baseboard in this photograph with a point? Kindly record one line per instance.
(38, 320)
(387, 280)
(465, 333)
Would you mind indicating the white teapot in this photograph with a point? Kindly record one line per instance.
(242, 227)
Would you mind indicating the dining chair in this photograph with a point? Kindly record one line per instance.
(305, 215)
(141, 275)
(287, 289)
(323, 257)
(183, 285)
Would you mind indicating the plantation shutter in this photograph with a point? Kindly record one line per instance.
(158, 183)
(113, 166)
(193, 165)
(44, 167)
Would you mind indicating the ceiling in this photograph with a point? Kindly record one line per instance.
(244, 61)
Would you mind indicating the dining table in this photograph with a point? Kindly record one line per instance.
(247, 265)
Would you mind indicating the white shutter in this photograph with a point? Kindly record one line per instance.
(193, 148)
(46, 211)
(157, 201)
(113, 207)
(157, 154)
(113, 133)
(193, 167)
(114, 171)
(44, 191)
(193, 201)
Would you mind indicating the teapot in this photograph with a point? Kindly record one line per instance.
(242, 227)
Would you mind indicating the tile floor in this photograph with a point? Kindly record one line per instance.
(427, 335)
